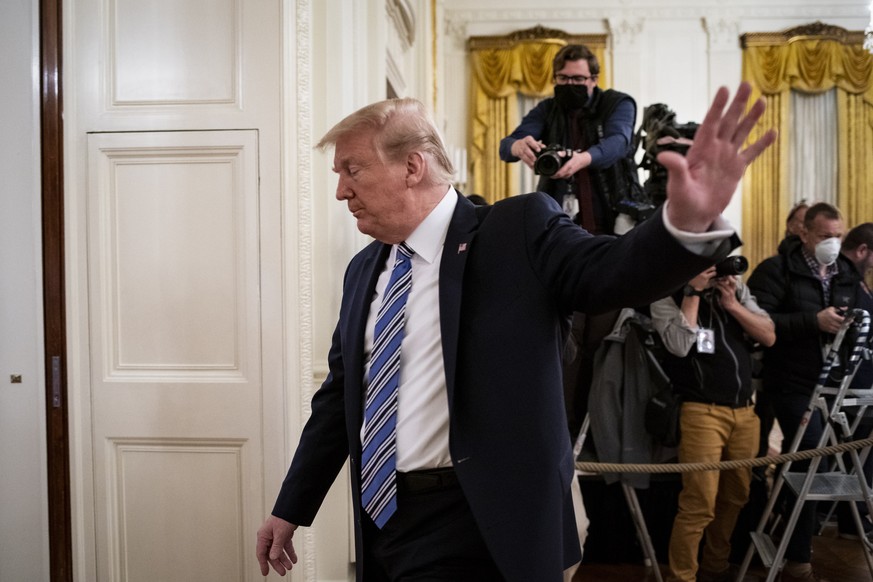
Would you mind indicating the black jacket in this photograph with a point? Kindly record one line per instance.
(786, 288)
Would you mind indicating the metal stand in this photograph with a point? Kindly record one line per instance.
(840, 484)
(633, 504)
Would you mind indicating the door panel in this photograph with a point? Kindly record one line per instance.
(176, 363)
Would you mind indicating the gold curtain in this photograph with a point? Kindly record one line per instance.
(504, 67)
(812, 59)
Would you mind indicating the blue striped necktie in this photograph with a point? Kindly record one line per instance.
(378, 460)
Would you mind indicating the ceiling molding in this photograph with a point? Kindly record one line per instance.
(814, 31)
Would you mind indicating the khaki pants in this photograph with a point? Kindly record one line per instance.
(710, 500)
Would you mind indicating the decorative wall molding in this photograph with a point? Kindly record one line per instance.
(456, 28)
(723, 33)
(300, 123)
(625, 31)
(394, 75)
(402, 14)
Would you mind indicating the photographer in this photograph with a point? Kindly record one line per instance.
(708, 328)
(592, 130)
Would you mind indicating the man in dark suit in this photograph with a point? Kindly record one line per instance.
(477, 485)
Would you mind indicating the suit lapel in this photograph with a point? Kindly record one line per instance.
(459, 240)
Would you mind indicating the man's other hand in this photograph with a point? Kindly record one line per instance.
(829, 320)
(275, 547)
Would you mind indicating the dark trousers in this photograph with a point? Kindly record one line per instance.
(431, 538)
(789, 409)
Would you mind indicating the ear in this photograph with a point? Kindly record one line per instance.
(803, 234)
(416, 166)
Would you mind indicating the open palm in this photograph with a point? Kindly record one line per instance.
(700, 185)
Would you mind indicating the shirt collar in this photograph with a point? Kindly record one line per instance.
(815, 266)
(428, 237)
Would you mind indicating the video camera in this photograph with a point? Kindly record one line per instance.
(659, 132)
(549, 159)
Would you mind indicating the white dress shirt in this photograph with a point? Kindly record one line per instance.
(422, 399)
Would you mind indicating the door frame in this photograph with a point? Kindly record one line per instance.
(54, 302)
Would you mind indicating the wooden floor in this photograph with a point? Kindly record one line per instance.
(836, 559)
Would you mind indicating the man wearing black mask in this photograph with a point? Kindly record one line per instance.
(596, 125)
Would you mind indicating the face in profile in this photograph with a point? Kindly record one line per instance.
(374, 188)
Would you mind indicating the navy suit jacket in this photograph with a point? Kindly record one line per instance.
(509, 277)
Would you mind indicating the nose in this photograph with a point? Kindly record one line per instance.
(342, 191)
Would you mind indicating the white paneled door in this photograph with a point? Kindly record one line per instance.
(175, 282)
(176, 382)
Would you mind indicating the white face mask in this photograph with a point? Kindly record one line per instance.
(827, 251)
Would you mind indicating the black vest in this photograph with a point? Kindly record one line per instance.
(723, 377)
(608, 185)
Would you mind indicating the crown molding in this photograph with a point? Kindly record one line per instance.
(814, 31)
(537, 32)
(457, 21)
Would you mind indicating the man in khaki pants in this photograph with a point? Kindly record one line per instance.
(707, 328)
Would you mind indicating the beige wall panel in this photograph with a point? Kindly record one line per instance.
(174, 51)
(168, 494)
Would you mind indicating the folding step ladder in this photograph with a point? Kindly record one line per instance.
(633, 504)
(842, 484)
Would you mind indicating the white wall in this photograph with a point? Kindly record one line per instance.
(23, 495)
(675, 52)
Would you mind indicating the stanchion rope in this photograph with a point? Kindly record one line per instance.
(591, 467)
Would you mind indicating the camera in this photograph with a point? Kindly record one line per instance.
(638, 211)
(549, 159)
(659, 132)
(735, 265)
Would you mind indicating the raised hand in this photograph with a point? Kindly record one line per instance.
(701, 184)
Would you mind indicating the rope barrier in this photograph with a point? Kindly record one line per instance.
(591, 467)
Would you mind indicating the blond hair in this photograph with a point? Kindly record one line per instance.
(400, 127)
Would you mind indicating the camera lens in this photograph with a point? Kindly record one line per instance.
(736, 265)
(547, 163)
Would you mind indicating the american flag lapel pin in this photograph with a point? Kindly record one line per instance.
(462, 247)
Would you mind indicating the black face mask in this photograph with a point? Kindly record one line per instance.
(570, 97)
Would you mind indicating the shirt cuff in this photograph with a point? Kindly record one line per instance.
(704, 244)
